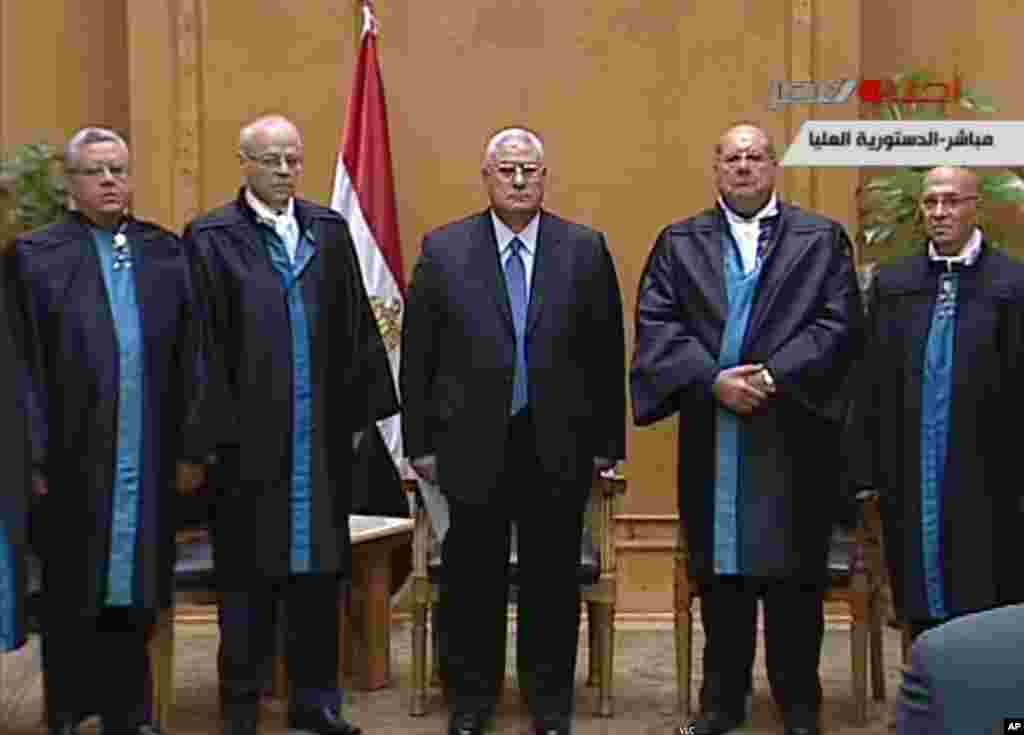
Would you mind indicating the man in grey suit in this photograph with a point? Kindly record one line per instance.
(965, 676)
(513, 392)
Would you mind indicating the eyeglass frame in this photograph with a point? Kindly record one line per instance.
(744, 157)
(529, 171)
(953, 201)
(264, 163)
(95, 170)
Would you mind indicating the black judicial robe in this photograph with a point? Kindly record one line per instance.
(70, 342)
(248, 324)
(14, 487)
(982, 490)
(806, 326)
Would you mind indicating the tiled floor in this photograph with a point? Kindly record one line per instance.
(645, 690)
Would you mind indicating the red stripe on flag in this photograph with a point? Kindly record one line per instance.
(366, 152)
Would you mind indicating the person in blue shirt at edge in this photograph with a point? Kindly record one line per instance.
(298, 373)
(943, 379)
(748, 323)
(111, 338)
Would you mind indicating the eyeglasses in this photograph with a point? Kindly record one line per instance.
(931, 203)
(508, 171)
(735, 160)
(274, 163)
(95, 170)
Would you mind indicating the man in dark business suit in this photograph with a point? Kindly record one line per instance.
(513, 390)
(965, 675)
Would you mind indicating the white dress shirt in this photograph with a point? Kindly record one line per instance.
(283, 223)
(747, 231)
(528, 252)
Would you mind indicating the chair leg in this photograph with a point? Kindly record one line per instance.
(606, 647)
(161, 653)
(906, 641)
(594, 655)
(684, 659)
(859, 655)
(877, 653)
(418, 701)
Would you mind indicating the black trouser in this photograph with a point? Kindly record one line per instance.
(474, 596)
(97, 664)
(248, 619)
(794, 624)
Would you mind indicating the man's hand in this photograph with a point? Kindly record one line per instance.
(763, 381)
(39, 485)
(734, 389)
(426, 467)
(190, 477)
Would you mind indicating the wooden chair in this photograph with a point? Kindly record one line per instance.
(599, 592)
(856, 579)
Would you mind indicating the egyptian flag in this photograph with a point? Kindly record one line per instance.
(364, 194)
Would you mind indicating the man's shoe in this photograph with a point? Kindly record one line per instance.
(712, 723)
(66, 728)
(146, 728)
(552, 726)
(322, 721)
(803, 729)
(466, 723)
(240, 721)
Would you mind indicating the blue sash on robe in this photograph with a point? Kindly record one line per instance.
(11, 636)
(120, 283)
(302, 395)
(741, 288)
(936, 395)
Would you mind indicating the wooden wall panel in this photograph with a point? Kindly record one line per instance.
(62, 66)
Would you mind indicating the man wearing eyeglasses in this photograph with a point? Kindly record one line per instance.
(298, 372)
(513, 390)
(748, 321)
(110, 332)
(943, 381)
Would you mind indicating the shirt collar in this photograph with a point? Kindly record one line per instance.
(504, 235)
(264, 213)
(967, 256)
(735, 218)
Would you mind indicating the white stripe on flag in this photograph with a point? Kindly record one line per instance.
(378, 280)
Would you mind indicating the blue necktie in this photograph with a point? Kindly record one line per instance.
(515, 281)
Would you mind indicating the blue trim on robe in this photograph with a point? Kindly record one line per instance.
(936, 396)
(302, 396)
(124, 522)
(11, 636)
(740, 289)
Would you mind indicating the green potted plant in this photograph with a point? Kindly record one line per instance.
(890, 218)
(33, 184)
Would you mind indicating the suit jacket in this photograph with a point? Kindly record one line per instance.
(965, 676)
(458, 352)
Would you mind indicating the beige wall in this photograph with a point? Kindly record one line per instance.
(62, 66)
(629, 96)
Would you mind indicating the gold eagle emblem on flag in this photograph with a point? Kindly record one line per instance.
(389, 320)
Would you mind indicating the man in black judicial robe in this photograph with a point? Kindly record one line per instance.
(298, 372)
(748, 319)
(108, 328)
(14, 488)
(513, 389)
(950, 527)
